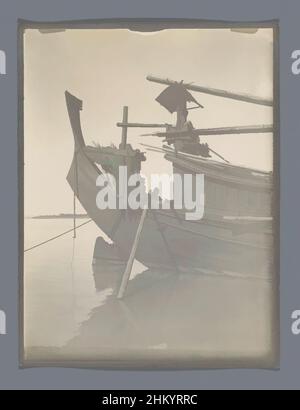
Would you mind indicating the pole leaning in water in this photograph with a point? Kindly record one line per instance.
(127, 272)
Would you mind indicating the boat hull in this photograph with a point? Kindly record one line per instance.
(211, 245)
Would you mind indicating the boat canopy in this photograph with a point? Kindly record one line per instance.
(175, 98)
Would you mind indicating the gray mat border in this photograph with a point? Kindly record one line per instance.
(287, 13)
(270, 361)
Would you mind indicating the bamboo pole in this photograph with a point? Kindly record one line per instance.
(244, 129)
(141, 125)
(214, 91)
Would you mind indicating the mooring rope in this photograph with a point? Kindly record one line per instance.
(57, 236)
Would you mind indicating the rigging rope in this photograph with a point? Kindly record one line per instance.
(57, 236)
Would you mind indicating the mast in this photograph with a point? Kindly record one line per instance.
(124, 128)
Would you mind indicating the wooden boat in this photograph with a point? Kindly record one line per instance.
(235, 236)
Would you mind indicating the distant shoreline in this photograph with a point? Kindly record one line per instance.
(59, 216)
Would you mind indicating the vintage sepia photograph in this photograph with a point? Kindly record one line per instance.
(149, 194)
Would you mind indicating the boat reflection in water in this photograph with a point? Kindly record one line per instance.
(169, 319)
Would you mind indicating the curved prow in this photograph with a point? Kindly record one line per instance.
(74, 106)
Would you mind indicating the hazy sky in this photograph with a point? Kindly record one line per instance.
(107, 69)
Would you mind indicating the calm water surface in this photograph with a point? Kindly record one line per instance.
(71, 312)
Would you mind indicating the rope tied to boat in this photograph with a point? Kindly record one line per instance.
(57, 236)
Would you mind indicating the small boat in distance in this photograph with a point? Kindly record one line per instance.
(235, 236)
